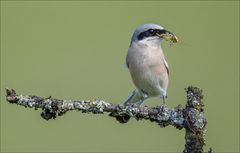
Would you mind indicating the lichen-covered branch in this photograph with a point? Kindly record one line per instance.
(195, 122)
(189, 117)
(51, 108)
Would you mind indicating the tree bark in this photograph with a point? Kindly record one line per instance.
(191, 117)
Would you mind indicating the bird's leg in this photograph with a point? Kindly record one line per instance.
(141, 102)
(133, 98)
(164, 100)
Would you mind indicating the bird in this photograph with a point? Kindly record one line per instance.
(147, 64)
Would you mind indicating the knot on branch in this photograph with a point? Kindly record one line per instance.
(50, 108)
(123, 113)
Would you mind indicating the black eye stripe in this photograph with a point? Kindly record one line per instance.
(147, 33)
(162, 31)
(150, 32)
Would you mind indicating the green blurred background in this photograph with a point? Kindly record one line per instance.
(77, 49)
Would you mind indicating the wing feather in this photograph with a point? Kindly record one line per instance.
(166, 65)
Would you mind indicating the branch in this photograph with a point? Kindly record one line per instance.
(189, 117)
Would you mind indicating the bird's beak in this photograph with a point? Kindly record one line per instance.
(168, 36)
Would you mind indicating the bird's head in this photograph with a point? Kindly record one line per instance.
(152, 34)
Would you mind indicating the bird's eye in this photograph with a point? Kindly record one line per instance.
(151, 31)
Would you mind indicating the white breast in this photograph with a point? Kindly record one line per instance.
(147, 69)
